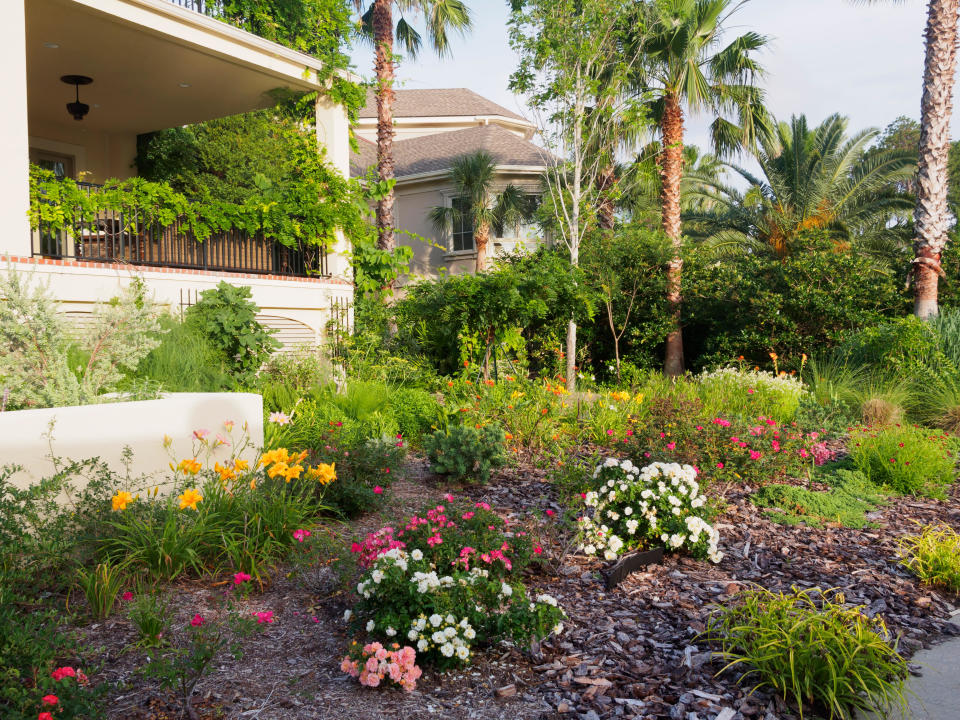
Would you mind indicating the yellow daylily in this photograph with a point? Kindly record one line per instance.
(190, 498)
(122, 499)
(325, 473)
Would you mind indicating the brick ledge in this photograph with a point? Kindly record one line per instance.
(174, 271)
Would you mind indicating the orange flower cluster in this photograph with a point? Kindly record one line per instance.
(280, 463)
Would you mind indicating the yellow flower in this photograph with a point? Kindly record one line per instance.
(240, 465)
(190, 498)
(167, 441)
(293, 472)
(122, 499)
(325, 473)
(253, 483)
(280, 455)
(189, 466)
(226, 472)
(279, 468)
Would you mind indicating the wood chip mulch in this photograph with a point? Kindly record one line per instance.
(631, 652)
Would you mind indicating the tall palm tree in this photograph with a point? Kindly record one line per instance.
(478, 205)
(686, 65)
(932, 214)
(812, 178)
(377, 23)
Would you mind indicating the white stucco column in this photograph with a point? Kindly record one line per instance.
(333, 134)
(14, 145)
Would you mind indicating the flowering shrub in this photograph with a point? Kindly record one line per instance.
(447, 580)
(736, 450)
(635, 507)
(373, 664)
(756, 392)
(906, 459)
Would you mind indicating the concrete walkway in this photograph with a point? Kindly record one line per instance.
(935, 695)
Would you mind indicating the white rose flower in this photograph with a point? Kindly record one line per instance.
(422, 645)
(469, 633)
(435, 620)
(347, 614)
(417, 554)
(390, 632)
(463, 652)
(376, 576)
(447, 650)
(506, 590)
(412, 634)
(451, 619)
(438, 637)
(370, 625)
(628, 510)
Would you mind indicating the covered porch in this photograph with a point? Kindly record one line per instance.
(154, 64)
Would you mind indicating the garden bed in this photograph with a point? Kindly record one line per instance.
(629, 652)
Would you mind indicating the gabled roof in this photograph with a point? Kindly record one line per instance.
(435, 153)
(447, 102)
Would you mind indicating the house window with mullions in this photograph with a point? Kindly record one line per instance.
(461, 237)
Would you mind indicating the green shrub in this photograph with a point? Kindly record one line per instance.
(184, 361)
(906, 459)
(32, 647)
(101, 586)
(900, 346)
(228, 317)
(809, 648)
(933, 556)
(364, 469)
(466, 453)
(847, 501)
(734, 391)
(416, 412)
(37, 345)
(150, 615)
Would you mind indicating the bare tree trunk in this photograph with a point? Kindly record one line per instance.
(383, 67)
(932, 217)
(481, 239)
(671, 172)
(616, 337)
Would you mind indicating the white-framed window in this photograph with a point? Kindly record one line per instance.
(461, 234)
(525, 229)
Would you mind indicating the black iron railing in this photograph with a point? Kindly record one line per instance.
(207, 7)
(126, 236)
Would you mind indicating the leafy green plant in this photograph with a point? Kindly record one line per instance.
(846, 502)
(906, 459)
(101, 586)
(933, 556)
(416, 412)
(808, 647)
(734, 391)
(36, 345)
(184, 361)
(466, 453)
(150, 614)
(228, 317)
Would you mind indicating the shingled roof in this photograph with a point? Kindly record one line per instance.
(447, 102)
(432, 153)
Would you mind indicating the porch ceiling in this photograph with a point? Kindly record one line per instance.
(138, 63)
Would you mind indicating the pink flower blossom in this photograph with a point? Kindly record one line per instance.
(240, 578)
(197, 620)
(301, 535)
(62, 672)
(754, 455)
(550, 513)
(448, 497)
(201, 434)
(537, 550)
(671, 445)
(265, 617)
(127, 596)
(609, 432)
(378, 490)
(750, 391)
(719, 466)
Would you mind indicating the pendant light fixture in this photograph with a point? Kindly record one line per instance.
(77, 108)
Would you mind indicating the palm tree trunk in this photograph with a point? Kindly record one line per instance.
(932, 216)
(671, 172)
(481, 239)
(382, 20)
(606, 211)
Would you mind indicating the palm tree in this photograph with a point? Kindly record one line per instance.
(440, 17)
(477, 205)
(812, 179)
(932, 215)
(686, 66)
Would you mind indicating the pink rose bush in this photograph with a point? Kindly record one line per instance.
(633, 507)
(447, 579)
(373, 664)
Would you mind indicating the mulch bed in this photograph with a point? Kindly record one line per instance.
(631, 652)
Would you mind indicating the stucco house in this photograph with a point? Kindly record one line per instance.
(432, 128)
(141, 66)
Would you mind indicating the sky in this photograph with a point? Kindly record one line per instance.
(864, 61)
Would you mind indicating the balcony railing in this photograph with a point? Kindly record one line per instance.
(128, 237)
(207, 7)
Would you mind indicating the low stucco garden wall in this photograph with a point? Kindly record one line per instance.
(104, 430)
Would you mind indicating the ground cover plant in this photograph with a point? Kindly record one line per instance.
(846, 501)
(813, 650)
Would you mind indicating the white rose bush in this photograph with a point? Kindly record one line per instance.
(659, 504)
(447, 582)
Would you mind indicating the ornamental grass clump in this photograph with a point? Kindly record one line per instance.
(632, 507)
(813, 650)
(906, 459)
(933, 556)
(447, 581)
